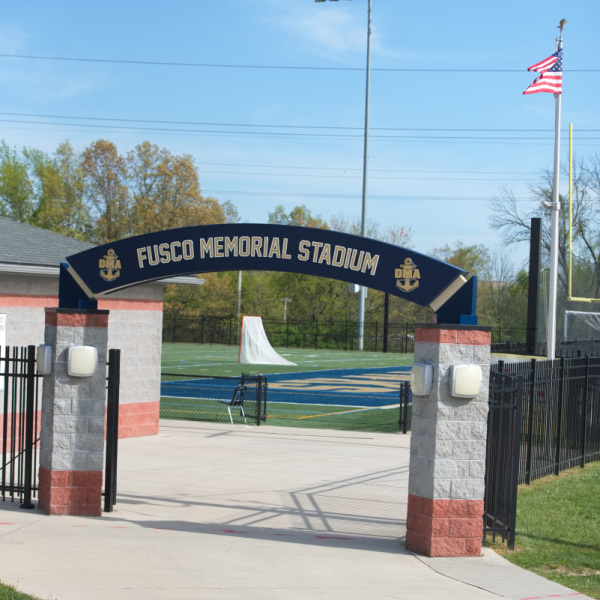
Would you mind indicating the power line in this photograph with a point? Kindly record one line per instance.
(319, 168)
(283, 134)
(357, 196)
(398, 178)
(277, 126)
(155, 63)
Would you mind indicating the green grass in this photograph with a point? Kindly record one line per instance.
(287, 415)
(220, 360)
(8, 592)
(558, 529)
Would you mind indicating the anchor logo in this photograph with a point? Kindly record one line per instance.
(110, 266)
(407, 276)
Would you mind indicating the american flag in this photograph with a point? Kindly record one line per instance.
(550, 79)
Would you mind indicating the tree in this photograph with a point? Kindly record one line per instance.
(514, 223)
(166, 191)
(59, 192)
(299, 215)
(474, 259)
(16, 189)
(107, 194)
(398, 236)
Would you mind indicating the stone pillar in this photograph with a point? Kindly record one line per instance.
(73, 414)
(448, 446)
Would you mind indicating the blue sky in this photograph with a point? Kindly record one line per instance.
(268, 98)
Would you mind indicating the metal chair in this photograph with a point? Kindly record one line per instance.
(236, 400)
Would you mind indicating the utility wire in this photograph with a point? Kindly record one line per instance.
(282, 134)
(272, 126)
(267, 67)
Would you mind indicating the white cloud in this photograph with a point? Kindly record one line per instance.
(327, 30)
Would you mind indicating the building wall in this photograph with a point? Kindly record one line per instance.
(135, 327)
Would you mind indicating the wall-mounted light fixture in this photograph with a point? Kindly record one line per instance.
(465, 381)
(82, 361)
(43, 359)
(421, 379)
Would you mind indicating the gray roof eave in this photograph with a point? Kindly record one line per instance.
(40, 271)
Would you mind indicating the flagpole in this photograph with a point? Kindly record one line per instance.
(551, 325)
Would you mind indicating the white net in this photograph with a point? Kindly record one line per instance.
(580, 325)
(255, 348)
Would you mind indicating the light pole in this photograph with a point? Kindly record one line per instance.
(362, 292)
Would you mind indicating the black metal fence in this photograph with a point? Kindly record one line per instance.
(560, 427)
(207, 398)
(556, 407)
(316, 334)
(502, 456)
(21, 400)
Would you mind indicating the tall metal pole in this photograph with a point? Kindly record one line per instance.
(362, 292)
(551, 325)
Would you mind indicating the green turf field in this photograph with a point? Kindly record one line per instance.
(202, 359)
(222, 361)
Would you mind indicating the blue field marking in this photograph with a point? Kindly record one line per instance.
(370, 388)
(199, 389)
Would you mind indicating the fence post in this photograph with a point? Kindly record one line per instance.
(584, 410)
(530, 422)
(561, 387)
(29, 418)
(516, 431)
(112, 429)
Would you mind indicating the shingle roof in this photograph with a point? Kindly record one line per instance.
(23, 244)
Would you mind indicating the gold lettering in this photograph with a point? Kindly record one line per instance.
(350, 254)
(218, 244)
(188, 250)
(174, 256)
(316, 246)
(325, 254)
(163, 250)
(231, 246)
(206, 247)
(338, 256)
(303, 247)
(284, 252)
(370, 263)
(355, 266)
(244, 246)
(153, 260)
(141, 253)
(275, 250)
(256, 245)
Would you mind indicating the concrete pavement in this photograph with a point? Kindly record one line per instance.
(230, 512)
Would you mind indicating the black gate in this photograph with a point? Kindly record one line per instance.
(502, 457)
(112, 429)
(20, 391)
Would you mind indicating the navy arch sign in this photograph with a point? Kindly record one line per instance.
(259, 247)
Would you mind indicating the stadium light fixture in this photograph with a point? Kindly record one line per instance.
(362, 292)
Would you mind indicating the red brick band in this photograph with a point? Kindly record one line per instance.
(70, 492)
(444, 527)
(67, 319)
(129, 304)
(453, 336)
(138, 419)
(36, 301)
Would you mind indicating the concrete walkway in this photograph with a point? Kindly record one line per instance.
(228, 512)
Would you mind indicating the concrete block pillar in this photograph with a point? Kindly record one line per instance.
(73, 414)
(448, 446)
